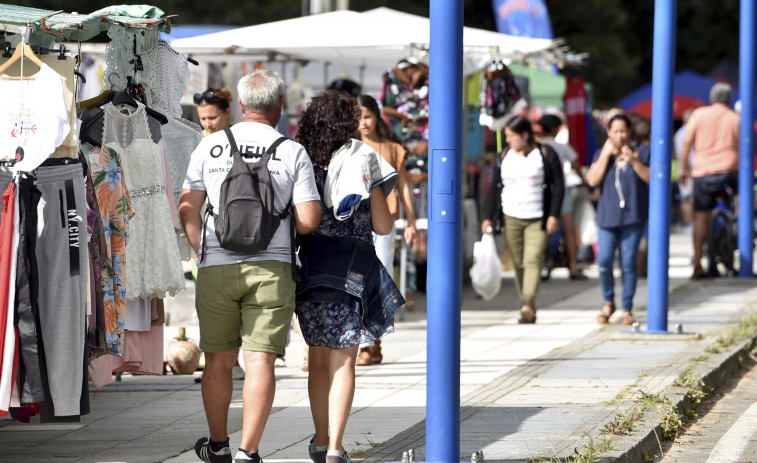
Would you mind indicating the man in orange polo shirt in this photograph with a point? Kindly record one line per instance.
(713, 131)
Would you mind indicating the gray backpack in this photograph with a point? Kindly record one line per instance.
(245, 220)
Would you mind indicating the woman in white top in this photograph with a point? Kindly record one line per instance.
(531, 183)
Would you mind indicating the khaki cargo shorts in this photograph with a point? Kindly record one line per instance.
(249, 304)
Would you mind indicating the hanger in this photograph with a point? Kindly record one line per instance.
(116, 98)
(123, 97)
(27, 53)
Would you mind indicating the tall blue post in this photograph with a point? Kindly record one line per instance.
(746, 135)
(659, 179)
(444, 232)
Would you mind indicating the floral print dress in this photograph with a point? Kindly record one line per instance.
(335, 325)
(115, 209)
(409, 100)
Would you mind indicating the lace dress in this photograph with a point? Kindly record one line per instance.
(152, 255)
(331, 324)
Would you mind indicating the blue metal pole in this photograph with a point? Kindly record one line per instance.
(444, 232)
(659, 178)
(746, 135)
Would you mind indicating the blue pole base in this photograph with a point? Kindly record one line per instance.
(685, 333)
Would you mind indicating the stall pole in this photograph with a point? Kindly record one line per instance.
(444, 233)
(659, 177)
(746, 144)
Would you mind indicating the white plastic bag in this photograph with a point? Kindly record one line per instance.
(588, 223)
(485, 272)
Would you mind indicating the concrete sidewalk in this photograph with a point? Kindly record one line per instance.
(527, 391)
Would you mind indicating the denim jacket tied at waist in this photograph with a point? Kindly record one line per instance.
(342, 269)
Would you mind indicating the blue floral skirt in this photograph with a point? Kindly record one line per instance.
(332, 325)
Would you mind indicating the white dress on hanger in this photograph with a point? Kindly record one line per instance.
(152, 255)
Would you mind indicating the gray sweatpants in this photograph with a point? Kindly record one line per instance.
(61, 258)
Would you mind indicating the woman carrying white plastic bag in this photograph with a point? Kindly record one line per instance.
(485, 272)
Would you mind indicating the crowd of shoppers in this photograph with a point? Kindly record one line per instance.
(350, 173)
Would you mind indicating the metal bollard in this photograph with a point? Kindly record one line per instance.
(678, 328)
(405, 458)
(411, 455)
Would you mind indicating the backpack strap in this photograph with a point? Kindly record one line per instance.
(292, 238)
(232, 142)
(272, 149)
(209, 207)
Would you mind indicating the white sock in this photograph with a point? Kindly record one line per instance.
(334, 453)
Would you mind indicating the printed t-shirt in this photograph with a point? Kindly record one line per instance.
(44, 120)
(523, 190)
(69, 148)
(635, 192)
(291, 174)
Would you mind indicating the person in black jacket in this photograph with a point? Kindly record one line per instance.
(530, 193)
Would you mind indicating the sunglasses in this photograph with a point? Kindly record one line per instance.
(208, 97)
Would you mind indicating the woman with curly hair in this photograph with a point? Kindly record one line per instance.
(344, 294)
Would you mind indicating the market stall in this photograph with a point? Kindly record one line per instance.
(90, 190)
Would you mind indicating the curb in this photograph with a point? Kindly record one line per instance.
(714, 373)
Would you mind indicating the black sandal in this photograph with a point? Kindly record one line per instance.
(604, 315)
(527, 315)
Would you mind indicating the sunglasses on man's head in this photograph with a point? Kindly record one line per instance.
(208, 97)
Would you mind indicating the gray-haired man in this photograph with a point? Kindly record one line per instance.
(245, 300)
(713, 131)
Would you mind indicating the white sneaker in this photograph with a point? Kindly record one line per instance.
(240, 457)
(279, 362)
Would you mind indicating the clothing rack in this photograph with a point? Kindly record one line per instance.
(61, 51)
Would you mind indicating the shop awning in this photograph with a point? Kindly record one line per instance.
(49, 26)
(378, 37)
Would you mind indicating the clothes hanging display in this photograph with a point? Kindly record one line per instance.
(37, 119)
(65, 68)
(152, 255)
(166, 74)
(411, 99)
(76, 216)
(8, 355)
(181, 137)
(115, 209)
(500, 96)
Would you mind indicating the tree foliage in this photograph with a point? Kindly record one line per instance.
(618, 34)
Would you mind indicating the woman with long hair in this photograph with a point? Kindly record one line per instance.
(344, 294)
(377, 134)
(531, 188)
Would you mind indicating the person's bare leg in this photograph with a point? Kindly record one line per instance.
(258, 393)
(217, 388)
(686, 211)
(570, 241)
(304, 365)
(319, 382)
(701, 221)
(342, 373)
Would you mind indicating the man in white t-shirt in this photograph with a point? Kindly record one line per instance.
(550, 125)
(245, 300)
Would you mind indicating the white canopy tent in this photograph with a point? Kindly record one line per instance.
(378, 37)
